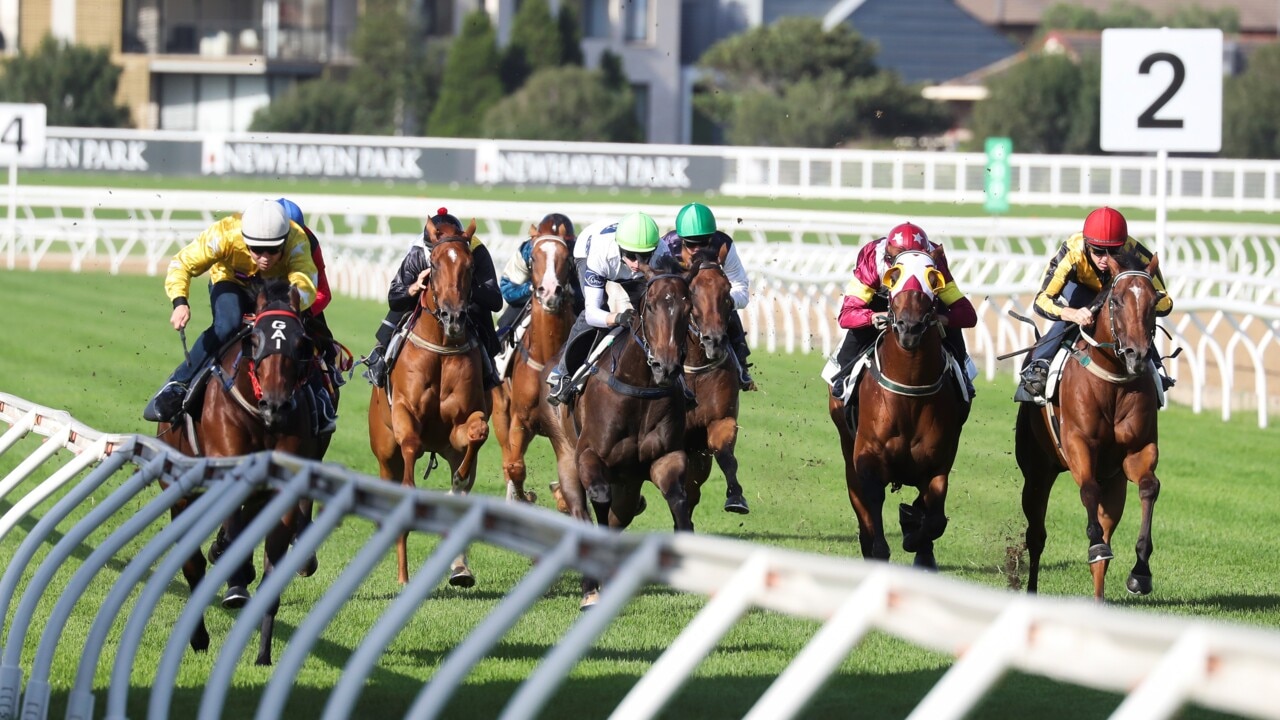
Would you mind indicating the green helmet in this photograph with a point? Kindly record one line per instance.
(637, 232)
(695, 220)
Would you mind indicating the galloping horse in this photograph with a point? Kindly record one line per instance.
(435, 400)
(520, 408)
(1105, 415)
(908, 419)
(711, 426)
(252, 403)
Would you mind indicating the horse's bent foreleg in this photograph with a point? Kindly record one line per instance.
(277, 544)
(722, 438)
(569, 486)
(1142, 466)
(668, 473)
(467, 439)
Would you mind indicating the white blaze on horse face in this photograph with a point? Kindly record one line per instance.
(914, 264)
(453, 254)
(548, 283)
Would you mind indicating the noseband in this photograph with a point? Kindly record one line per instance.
(641, 339)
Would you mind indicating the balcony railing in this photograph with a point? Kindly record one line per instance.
(222, 38)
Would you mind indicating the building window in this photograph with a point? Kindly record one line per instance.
(595, 18)
(636, 20)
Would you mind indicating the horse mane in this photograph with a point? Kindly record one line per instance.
(274, 290)
(665, 265)
(1129, 260)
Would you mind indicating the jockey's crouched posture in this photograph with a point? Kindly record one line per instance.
(1071, 282)
(412, 278)
(260, 241)
(864, 311)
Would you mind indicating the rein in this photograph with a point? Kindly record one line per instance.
(423, 343)
(1083, 356)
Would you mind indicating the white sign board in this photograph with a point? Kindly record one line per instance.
(22, 134)
(1161, 90)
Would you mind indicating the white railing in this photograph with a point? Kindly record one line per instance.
(1225, 278)
(1160, 663)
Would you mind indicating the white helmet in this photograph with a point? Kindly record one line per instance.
(264, 224)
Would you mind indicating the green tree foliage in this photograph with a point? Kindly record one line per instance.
(75, 82)
(570, 35)
(471, 84)
(535, 44)
(1047, 104)
(1250, 106)
(381, 45)
(1068, 16)
(316, 106)
(794, 84)
(566, 103)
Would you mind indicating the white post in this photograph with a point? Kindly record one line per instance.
(13, 212)
(1162, 200)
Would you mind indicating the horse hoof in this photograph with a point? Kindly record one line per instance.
(926, 561)
(1139, 584)
(235, 598)
(641, 506)
(589, 599)
(462, 578)
(736, 504)
(1099, 552)
(530, 497)
(310, 568)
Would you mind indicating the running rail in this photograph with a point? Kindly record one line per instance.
(1158, 663)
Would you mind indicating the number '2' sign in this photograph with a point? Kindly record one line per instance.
(22, 136)
(1161, 90)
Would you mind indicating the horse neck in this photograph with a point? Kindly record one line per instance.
(1101, 332)
(548, 330)
(913, 367)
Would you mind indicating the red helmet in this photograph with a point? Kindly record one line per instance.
(908, 236)
(1105, 227)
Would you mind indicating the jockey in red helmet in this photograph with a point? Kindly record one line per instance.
(1072, 280)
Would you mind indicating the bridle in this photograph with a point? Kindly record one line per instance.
(695, 331)
(434, 310)
(563, 243)
(1116, 347)
(639, 333)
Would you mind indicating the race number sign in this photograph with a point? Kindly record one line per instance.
(22, 134)
(1161, 90)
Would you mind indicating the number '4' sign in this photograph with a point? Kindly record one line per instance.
(22, 134)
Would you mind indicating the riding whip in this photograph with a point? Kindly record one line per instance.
(182, 333)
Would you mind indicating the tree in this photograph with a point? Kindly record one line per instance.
(1067, 16)
(381, 46)
(570, 35)
(794, 84)
(1043, 103)
(535, 44)
(470, 85)
(77, 84)
(551, 105)
(316, 106)
(1250, 106)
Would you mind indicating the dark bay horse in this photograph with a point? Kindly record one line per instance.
(252, 403)
(909, 417)
(1105, 419)
(711, 426)
(435, 399)
(520, 408)
(628, 423)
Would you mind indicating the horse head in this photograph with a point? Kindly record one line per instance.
(281, 350)
(450, 279)
(1126, 310)
(913, 282)
(664, 322)
(552, 261)
(709, 288)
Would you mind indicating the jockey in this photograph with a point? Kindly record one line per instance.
(606, 252)
(515, 282)
(259, 241)
(1071, 283)
(696, 229)
(864, 311)
(411, 279)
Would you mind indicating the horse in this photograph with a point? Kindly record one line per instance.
(711, 426)
(252, 403)
(520, 408)
(1105, 420)
(628, 422)
(908, 417)
(435, 400)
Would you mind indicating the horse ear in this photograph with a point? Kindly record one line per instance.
(430, 229)
(1154, 266)
(533, 231)
(471, 229)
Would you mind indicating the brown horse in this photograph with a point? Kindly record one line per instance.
(435, 399)
(252, 403)
(711, 426)
(1105, 415)
(909, 417)
(520, 408)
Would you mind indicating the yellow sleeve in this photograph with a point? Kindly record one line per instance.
(192, 261)
(856, 288)
(303, 274)
(950, 293)
(1054, 280)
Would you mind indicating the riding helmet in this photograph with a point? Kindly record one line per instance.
(909, 236)
(442, 217)
(291, 210)
(263, 224)
(1106, 227)
(695, 222)
(637, 232)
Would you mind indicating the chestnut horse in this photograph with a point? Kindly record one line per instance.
(910, 414)
(1105, 415)
(520, 408)
(628, 423)
(435, 399)
(252, 403)
(711, 426)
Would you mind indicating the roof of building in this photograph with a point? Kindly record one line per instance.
(1255, 15)
(922, 40)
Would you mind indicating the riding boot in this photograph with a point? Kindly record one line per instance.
(166, 405)
(491, 377)
(376, 373)
(326, 413)
(1034, 378)
(503, 360)
(560, 378)
(738, 342)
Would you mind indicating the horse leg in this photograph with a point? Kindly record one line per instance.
(1142, 465)
(668, 473)
(238, 584)
(699, 469)
(867, 496)
(408, 458)
(1091, 498)
(932, 506)
(568, 487)
(722, 438)
(465, 439)
(302, 519)
(513, 452)
(1038, 476)
(276, 545)
(589, 470)
(193, 572)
